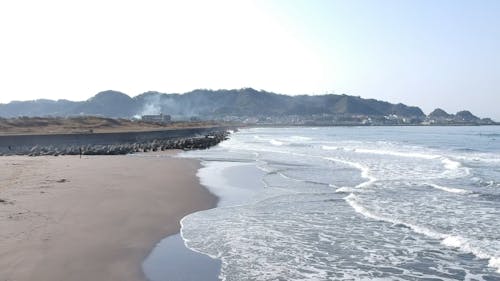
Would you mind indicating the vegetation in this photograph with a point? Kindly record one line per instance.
(84, 124)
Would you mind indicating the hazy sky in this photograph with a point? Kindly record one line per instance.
(432, 53)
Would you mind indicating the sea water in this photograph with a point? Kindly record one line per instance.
(352, 203)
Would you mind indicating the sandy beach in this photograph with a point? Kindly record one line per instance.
(94, 218)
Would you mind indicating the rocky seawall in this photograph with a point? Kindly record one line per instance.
(111, 143)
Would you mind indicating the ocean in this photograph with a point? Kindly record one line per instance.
(352, 203)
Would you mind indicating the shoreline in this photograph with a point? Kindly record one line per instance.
(95, 218)
(171, 259)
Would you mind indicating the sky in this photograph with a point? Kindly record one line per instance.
(428, 53)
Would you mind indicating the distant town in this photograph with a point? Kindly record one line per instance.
(463, 118)
(436, 118)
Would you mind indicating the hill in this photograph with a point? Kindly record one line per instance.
(208, 104)
(438, 113)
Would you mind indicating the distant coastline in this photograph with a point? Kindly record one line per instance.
(91, 135)
(369, 125)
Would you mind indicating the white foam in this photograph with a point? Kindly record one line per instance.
(438, 163)
(483, 157)
(353, 201)
(454, 169)
(276, 142)
(452, 241)
(450, 164)
(211, 176)
(300, 138)
(458, 242)
(329, 147)
(408, 154)
(464, 245)
(365, 171)
(484, 182)
(345, 189)
(495, 263)
(187, 241)
(262, 166)
(449, 189)
(289, 178)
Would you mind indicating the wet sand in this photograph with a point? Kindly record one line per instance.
(95, 218)
(171, 260)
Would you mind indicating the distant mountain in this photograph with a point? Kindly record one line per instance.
(108, 103)
(439, 113)
(212, 104)
(441, 117)
(41, 107)
(466, 116)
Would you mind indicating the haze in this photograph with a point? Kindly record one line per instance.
(424, 53)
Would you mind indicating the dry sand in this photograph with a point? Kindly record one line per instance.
(95, 218)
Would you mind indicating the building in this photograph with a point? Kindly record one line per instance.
(161, 118)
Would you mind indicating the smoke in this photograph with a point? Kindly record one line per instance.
(179, 107)
(151, 106)
(158, 104)
(151, 109)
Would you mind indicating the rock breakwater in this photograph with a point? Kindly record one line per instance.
(123, 144)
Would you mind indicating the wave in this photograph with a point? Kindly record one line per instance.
(488, 183)
(352, 200)
(451, 241)
(283, 175)
(411, 153)
(187, 241)
(282, 140)
(467, 150)
(299, 138)
(329, 147)
(365, 171)
(450, 164)
(449, 189)
(397, 153)
(454, 169)
(487, 158)
(257, 137)
(464, 245)
(398, 163)
(276, 142)
(346, 189)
